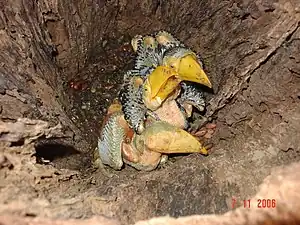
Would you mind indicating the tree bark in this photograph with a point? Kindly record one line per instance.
(63, 62)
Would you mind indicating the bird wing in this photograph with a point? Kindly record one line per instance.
(131, 98)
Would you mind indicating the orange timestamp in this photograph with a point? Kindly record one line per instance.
(259, 203)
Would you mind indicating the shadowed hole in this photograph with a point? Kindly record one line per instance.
(52, 151)
(62, 156)
(17, 143)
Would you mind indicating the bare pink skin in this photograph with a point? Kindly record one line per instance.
(205, 133)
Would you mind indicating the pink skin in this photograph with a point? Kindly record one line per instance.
(205, 133)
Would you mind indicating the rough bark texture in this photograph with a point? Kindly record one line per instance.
(282, 186)
(63, 61)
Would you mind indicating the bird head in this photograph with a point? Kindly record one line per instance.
(185, 63)
(166, 39)
(136, 41)
(179, 65)
(140, 42)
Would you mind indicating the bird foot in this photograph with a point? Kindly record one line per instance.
(97, 164)
(204, 134)
(164, 162)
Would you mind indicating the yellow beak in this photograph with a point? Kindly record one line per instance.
(162, 81)
(190, 70)
(159, 85)
(165, 79)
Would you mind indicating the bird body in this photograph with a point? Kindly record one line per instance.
(119, 144)
(165, 67)
(155, 101)
(131, 98)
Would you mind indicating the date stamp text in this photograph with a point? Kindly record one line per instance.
(260, 203)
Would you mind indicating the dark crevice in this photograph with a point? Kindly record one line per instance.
(51, 151)
(17, 143)
(289, 37)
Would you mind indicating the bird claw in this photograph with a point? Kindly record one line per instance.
(208, 145)
(164, 162)
(206, 131)
(101, 167)
(204, 134)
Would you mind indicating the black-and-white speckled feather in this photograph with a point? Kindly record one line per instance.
(131, 99)
(192, 94)
(110, 141)
(148, 58)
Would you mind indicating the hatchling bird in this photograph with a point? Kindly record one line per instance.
(119, 144)
(173, 68)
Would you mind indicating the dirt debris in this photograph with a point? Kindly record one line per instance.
(5, 220)
(281, 188)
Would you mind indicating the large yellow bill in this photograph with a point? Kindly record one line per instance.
(160, 84)
(190, 70)
(162, 79)
(164, 138)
